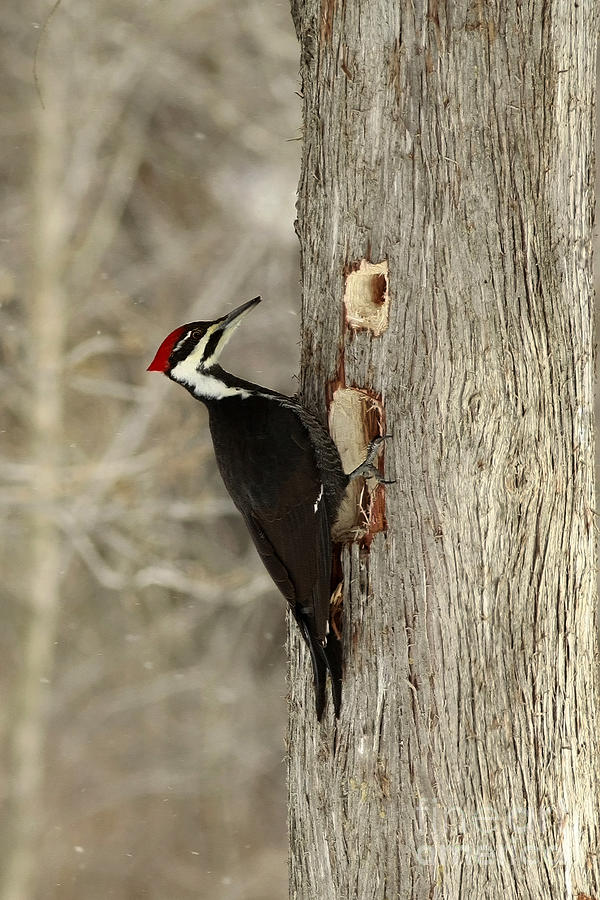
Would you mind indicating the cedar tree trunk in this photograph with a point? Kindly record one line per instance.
(445, 221)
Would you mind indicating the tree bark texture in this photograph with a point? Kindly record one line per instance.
(444, 217)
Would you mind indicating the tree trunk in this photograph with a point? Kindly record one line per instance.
(444, 216)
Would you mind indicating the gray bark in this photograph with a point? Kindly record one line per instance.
(454, 142)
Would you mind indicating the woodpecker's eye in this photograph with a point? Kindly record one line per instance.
(196, 334)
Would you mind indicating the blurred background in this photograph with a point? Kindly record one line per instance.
(149, 159)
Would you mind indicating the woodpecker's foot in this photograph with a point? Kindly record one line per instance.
(366, 468)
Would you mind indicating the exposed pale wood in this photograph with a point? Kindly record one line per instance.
(354, 420)
(455, 142)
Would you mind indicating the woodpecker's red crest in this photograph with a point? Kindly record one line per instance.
(160, 363)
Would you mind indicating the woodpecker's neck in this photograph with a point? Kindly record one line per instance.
(216, 384)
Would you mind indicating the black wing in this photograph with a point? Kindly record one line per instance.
(273, 478)
(325, 653)
(304, 615)
(275, 483)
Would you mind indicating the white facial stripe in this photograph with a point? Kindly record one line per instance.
(181, 341)
(192, 371)
(195, 357)
(318, 500)
(205, 385)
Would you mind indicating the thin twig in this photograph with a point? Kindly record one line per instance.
(43, 32)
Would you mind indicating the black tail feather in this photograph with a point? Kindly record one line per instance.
(319, 664)
(323, 658)
(333, 656)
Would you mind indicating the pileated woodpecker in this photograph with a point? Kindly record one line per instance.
(284, 474)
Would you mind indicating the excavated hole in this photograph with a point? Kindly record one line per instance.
(366, 296)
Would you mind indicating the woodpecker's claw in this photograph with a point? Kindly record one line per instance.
(366, 468)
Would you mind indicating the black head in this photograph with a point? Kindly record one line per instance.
(196, 347)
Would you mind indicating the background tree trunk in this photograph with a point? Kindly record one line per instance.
(47, 326)
(454, 143)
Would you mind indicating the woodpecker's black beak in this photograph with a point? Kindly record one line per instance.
(236, 315)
